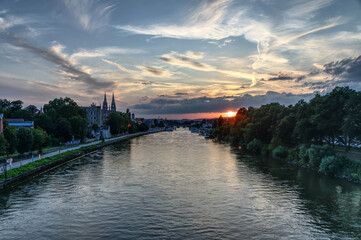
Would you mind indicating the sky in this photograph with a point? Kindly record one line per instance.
(178, 58)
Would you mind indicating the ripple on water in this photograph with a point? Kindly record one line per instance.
(179, 186)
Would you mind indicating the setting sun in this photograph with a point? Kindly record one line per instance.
(230, 114)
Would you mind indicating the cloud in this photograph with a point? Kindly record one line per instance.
(281, 76)
(145, 71)
(210, 20)
(34, 92)
(169, 105)
(9, 22)
(184, 60)
(52, 56)
(347, 70)
(90, 14)
(103, 52)
(307, 8)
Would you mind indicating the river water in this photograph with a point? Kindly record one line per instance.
(178, 185)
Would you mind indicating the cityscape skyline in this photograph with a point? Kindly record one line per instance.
(178, 59)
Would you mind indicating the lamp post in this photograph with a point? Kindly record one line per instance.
(5, 162)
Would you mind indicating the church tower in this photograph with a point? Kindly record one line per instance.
(113, 108)
(105, 105)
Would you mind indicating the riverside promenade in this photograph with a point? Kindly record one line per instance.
(114, 139)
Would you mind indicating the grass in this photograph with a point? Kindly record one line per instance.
(33, 165)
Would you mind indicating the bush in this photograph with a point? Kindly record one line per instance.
(332, 164)
(280, 152)
(255, 146)
(316, 153)
(302, 155)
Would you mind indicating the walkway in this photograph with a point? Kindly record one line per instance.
(36, 157)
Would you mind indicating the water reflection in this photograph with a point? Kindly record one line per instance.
(333, 204)
(175, 186)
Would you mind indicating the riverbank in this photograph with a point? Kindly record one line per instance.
(322, 159)
(19, 174)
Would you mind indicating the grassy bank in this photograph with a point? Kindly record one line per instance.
(323, 159)
(19, 174)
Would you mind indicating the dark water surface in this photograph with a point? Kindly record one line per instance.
(180, 186)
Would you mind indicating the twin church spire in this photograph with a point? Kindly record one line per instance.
(105, 104)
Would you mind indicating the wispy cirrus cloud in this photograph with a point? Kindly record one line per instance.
(218, 20)
(103, 52)
(90, 14)
(144, 71)
(186, 60)
(208, 21)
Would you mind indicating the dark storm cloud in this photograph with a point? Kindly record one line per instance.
(71, 71)
(348, 69)
(163, 105)
(344, 72)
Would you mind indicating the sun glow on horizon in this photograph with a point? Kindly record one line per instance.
(230, 114)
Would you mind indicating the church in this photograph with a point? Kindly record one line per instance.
(98, 114)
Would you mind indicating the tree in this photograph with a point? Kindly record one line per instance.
(143, 127)
(40, 138)
(10, 135)
(45, 121)
(62, 130)
(118, 122)
(32, 109)
(3, 145)
(78, 126)
(25, 140)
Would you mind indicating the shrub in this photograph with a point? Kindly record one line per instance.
(280, 152)
(302, 155)
(332, 164)
(255, 146)
(316, 153)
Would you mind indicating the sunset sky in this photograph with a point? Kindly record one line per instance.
(178, 58)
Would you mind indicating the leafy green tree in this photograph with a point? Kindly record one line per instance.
(62, 130)
(143, 127)
(46, 122)
(284, 130)
(3, 145)
(78, 126)
(25, 140)
(10, 135)
(118, 122)
(40, 138)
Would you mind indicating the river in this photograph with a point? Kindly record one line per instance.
(178, 185)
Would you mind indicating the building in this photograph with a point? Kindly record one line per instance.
(1, 122)
(94, 115)
(106, 111)
(98, 114)
(20, 123)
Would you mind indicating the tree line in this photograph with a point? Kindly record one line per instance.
(299, 132)
(57, 122)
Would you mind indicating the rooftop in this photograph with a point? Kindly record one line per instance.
(22, 124)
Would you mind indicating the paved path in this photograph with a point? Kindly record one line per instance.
(36, 157)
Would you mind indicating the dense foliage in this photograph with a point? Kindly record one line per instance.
(306, 132)
(332, 118)
(59, 121)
